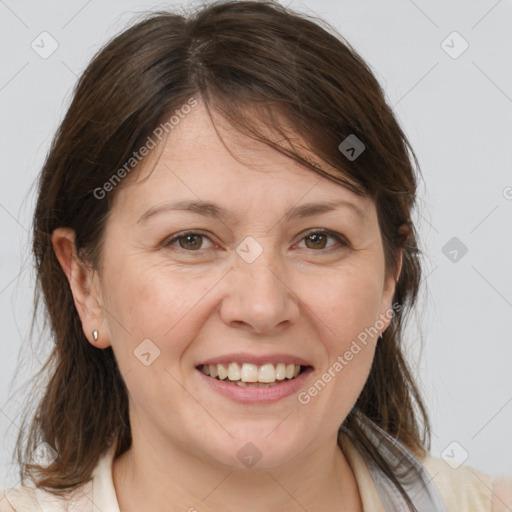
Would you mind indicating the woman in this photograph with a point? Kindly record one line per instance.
(224, 245)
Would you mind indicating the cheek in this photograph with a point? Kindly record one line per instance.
(348, 308)
(348, 302)
(155, 302)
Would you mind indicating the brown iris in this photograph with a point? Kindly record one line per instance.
(317, 239)
(191, 241)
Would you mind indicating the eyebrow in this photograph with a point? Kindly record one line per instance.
(216, 211)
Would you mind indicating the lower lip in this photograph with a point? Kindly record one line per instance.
(257, 395)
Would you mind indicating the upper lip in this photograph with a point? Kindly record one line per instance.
(257, 360)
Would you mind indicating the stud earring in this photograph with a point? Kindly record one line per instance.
(95, 335)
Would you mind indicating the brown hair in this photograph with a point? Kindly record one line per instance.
(235, 56)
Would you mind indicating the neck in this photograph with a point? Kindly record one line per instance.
(170, 478)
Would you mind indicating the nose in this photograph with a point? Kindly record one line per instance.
(258, 297)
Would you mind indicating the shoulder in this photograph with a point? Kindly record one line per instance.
(18, 499)
(502, 497)
(5, 506)
(26, 498)
(461, 487)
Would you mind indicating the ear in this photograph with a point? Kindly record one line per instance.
(388, 308)
(85, 287)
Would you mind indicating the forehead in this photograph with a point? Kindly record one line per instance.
(215, 163)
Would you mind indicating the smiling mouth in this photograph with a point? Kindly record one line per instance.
(251, 375)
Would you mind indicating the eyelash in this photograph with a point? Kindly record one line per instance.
(337, 236)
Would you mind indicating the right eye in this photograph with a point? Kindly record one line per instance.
(190, 241)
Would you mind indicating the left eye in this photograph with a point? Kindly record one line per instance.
(317, 240)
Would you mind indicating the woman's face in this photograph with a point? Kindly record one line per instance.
(250, 280)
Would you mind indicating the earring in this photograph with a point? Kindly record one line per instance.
(380, 336)
(95, 335)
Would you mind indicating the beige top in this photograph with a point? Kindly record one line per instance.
(464, 489)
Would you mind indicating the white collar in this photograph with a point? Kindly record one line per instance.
(104, 497)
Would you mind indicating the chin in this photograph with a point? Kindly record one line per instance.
(254, 449)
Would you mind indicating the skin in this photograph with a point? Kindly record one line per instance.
(308, 297)
(502, 495)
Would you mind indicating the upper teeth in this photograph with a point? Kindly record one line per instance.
(252, 373)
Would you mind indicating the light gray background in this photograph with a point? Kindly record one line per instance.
(457, 113)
